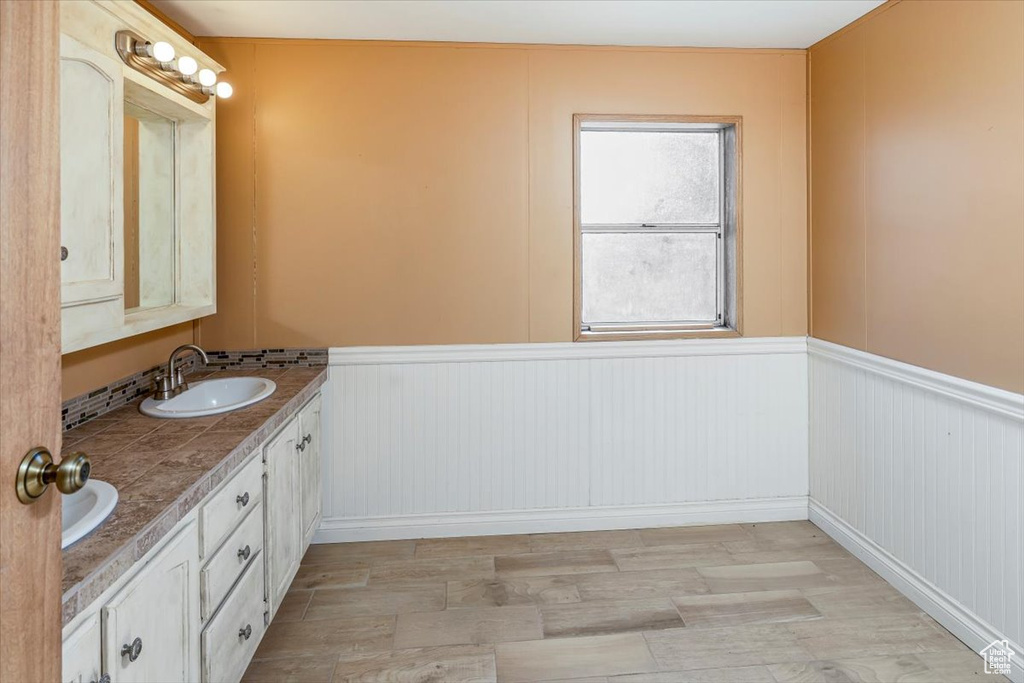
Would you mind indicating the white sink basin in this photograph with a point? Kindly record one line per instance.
(211, 397)
(85, 510)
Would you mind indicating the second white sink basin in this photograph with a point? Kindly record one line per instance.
(211, 397)
(83, 511)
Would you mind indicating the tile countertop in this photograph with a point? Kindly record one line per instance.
(162, 469)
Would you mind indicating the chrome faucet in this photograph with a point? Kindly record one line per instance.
(173, 383)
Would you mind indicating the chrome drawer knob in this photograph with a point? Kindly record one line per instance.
(105, 678)
(133, 651)
(244, 553)
(308, 438)
(244, 633)
(301, 445)
(243, 499)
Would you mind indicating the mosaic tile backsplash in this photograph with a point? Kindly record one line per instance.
(80, 409)
(267, 358)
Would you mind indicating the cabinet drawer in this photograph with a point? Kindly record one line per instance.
(228, 506)
(220, 573)
(226, 650)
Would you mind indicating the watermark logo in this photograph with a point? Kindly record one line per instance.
(997, 657)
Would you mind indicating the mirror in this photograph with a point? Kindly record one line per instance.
(149, 209)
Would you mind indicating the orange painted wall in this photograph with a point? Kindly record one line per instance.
(917, 188)
(88, 369)
(396, 193)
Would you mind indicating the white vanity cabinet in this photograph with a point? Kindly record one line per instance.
(283, 522)
(309, 469)
(197, 606)
(150, 628)
(81, 662)
(293, 497)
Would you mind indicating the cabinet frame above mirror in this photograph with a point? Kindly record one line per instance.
(93, 281)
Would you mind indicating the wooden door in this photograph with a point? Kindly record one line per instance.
(283, 524)
(30, 559)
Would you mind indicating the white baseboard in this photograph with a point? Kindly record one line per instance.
(939, 605)
(341, 530)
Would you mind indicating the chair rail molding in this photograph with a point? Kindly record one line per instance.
(921, 475)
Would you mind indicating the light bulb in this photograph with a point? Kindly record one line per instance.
(187, 66)
(163, 52)
(207, 77)
(224, 90)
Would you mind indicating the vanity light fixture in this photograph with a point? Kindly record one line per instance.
(156, 60)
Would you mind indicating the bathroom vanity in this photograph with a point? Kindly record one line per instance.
(180, 583)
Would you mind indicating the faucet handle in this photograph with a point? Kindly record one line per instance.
(180, 384)
(164, 388)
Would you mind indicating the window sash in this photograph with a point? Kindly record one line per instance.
(666, 325)
(655, 227)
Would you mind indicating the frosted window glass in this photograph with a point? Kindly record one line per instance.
(649, 177)
(649, 277)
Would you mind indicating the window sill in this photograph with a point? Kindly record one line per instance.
(638, 335)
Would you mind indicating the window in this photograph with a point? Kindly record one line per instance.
(656, 226)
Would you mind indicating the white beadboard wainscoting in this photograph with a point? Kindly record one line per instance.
(920, 474)
(515, 438)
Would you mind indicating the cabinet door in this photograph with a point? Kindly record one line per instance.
(283, 523)
(91, 183)
(158, 608)
(309, 468)
(80, 653)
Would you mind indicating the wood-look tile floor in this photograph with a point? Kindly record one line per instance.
(752, 603)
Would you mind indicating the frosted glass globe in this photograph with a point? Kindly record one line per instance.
(163, 52)
(187, 65)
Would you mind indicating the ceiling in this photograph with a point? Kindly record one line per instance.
(690, 23)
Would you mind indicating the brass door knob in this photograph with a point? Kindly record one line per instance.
(37, 472)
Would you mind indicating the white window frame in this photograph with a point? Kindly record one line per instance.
(726, 228)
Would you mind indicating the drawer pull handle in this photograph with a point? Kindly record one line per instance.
(133, 651)
(244, 553)
(244, 633)
(301, 445)
(105, 678)
(243, 499)
(308, 438)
